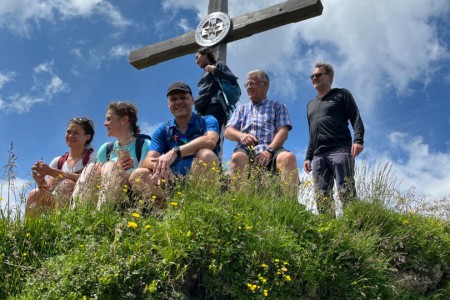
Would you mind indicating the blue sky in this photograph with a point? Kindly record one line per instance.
(65, 58)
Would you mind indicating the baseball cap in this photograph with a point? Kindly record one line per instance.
(179, 86)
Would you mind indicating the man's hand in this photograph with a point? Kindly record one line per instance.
(162, 168)
(263, 158)
(357, 149)
(248, 139)
(307, 166)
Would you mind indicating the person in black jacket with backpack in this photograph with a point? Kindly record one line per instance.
(331, 151)
(208, 101)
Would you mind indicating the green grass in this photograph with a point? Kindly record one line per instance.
(246, 243)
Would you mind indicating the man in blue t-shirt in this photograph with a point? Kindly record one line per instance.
(189, 141)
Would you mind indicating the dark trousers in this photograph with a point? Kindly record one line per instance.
(334, 165)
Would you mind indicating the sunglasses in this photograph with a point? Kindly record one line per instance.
(318, 75)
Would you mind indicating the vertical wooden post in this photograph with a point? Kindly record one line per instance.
(219, 5)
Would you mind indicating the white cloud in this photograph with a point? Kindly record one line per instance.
(6, 77)
(425, 170)
(24, 16)
(122, 50)
(148, 128)
(46, 85)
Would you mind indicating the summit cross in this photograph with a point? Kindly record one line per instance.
(244, 26)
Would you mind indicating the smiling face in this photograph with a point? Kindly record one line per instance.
(180, 104)
(256, 87)
(76, 137)
(113, 123)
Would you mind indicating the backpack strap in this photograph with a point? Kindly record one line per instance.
(109, 149)
(87, 156)
(62, 160)
(138, 148)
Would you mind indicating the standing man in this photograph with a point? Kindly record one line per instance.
(260, 129)
(188, 142)
(330, 147)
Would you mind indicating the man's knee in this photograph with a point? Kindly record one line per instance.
(286, 160)
(206, 155)
(239, 158)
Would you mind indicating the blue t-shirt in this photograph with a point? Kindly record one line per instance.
(101, 154)
(168, 136)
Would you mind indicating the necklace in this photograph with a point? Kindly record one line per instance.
(124, 144)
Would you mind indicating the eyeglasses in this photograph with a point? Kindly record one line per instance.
(318, 75)
(252, 83)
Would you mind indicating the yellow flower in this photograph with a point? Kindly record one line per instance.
(148, 226)
(173, 203)
(60, 176)
(285, 263)
(264, 266)
(406, 222)
(24, 254)
(132, 225)
(162, 180)
(284, 269)
(248, 227)
(266, 293)
(137, 180)
(189, 233)
(277, 260)
(97, 186)
(153, 197)
(179, 193)
(136, 215)
(288, 278)
(262, 279)
(251, 286)
(28, 234)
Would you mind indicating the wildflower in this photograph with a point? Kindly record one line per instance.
(24, 254)
(97, 187)
(148, 226)
(287, 277)
(173, 203)
(133, 225)
(125, 188)
(266, 293)
(248, 227)
(251, 286)
(284, 269)
(285, 263)
(163, 180)
(136, 215)
(179, 193)
(264, 266)
(189, 233)
(262, 279)
(277, 260)
(60, 176)
(406, 222)
(137, 180)
(28, 234)
(153, 197)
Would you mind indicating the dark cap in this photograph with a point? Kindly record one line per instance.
(179, 86)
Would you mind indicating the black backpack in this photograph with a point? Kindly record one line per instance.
(140, 139)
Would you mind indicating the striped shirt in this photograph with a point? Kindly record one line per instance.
(262, 120)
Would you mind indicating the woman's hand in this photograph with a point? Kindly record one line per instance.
(126, 162)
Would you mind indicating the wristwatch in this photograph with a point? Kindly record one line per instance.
(177, 151)
(271, 151)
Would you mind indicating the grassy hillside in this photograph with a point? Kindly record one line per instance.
(249, 242)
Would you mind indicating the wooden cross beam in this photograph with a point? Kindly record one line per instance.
(244, 26)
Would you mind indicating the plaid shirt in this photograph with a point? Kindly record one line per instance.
(262, 119)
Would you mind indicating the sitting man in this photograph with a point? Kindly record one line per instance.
(261, 127)
(189, 141)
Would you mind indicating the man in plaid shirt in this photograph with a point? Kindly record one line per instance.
(260, 129)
